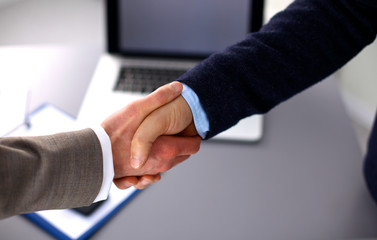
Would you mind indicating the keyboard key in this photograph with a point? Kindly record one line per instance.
(145, 80)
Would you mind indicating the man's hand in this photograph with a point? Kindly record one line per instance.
(170, 119)
(167, 150)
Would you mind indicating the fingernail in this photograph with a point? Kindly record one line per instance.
(135, 162)
(177, 86)
(145, 182)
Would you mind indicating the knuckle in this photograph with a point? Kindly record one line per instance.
(160, 96)
(197, 148)
(164, 168)
(132, 108)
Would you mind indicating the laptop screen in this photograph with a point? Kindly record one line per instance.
(180, 28)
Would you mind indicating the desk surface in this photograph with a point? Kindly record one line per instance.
(302, 181)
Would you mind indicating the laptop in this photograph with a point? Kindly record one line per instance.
(152, 42)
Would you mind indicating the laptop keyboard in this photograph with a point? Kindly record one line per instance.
(145, 80)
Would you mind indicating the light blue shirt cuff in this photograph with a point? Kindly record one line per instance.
(108, 168)
(200, 117)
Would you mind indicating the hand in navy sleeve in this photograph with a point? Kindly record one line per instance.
(171, 119)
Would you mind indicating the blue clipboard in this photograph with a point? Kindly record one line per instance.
(39, 220)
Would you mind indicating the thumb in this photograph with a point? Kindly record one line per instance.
(142, 142)
(170, 119)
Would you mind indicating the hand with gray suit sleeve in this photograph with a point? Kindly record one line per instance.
(65, 170)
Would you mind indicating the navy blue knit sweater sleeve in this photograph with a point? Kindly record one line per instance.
(298, 47)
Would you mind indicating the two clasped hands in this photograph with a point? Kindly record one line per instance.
(150, 136)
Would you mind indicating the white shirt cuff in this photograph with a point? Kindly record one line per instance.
(200, 117)
(108, 167)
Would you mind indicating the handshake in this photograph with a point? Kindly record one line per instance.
(150, 136)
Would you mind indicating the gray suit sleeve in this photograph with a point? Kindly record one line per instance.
(58, 171)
